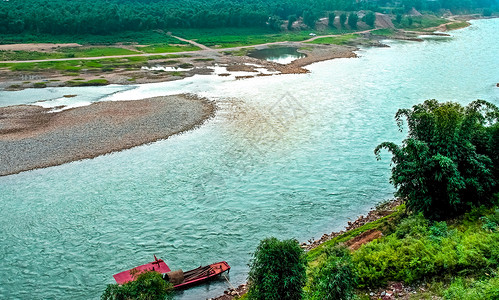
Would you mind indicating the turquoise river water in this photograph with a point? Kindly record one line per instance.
(289, 156)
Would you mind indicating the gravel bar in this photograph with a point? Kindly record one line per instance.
(33, 137)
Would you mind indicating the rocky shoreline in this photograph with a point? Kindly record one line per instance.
(33, 137)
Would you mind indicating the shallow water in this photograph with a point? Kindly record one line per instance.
(289, 156)
(282, 55)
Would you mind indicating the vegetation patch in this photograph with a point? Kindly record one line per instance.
(39, 85)
(95, 51)
(336, 40)
(29, 55)
(420, 22)
(93, 82)
(383, 32)
(204, 59)
(165, 48)
(457, 25)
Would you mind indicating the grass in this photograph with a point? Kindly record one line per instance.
(457, 25)
(164, 48)
(315, 255)
(420, 23)
(336, 40)
(95, 51)
(94, 82)
(39, 85)
(383, 32)
(147, 37)
(73, 67)
(204, 59)
(236, 37)
(29, 55)
(453, 259)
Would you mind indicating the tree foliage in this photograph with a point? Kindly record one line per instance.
(370, 18)
(277, 270)
(353, 18)
(343, 19)
(331, 17)
(335, 279)
(448, 162)
(147, 286)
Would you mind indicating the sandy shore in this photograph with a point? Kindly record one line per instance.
(33, 137)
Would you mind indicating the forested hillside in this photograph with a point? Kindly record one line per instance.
(111, 16)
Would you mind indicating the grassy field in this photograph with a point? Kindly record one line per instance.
(422, 22)
(164, 48)
(383, 32)
(74, 67)
(95, 51)
(457, 25)
(75, 52)
(148, 37)
(235, 37)
(336, 40)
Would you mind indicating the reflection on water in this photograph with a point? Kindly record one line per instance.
(282, 55)
(289, 156)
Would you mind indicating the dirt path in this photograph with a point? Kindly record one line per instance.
(192, 43)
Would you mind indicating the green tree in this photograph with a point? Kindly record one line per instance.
(277, 270)
(445, 165)
(147, 286)
(335, 279)
(343, 19)
(275, 23)
(398, 18)
(331, 18)
(310, 17)
(352, 20)
(370, 18)
(291, 20)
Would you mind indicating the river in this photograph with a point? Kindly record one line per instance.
(289, 156)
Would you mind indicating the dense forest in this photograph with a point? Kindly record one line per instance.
(111, 16)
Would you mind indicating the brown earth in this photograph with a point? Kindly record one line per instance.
(42, 47)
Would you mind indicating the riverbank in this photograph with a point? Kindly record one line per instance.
(33, 137)
(160, 67)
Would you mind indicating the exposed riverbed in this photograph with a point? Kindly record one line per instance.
(288, 156)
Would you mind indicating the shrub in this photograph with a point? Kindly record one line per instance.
(335, 279)
(370, 18)
(147, 286)
(277, 270)
(352, 20)
(331, 17)
(417, 253)
(291, 20)
(39, 85)
(343, 19)
(487, 289)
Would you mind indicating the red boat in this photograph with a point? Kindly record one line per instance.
(179, 279)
